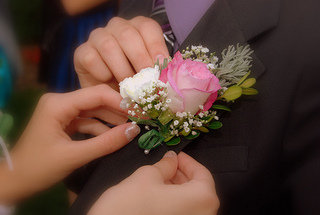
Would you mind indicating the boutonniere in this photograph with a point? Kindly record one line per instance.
(179, 98)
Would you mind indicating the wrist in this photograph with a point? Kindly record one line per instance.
(10, 189)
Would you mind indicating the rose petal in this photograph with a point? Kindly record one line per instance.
(212, 98)
(193, 98)
(176, 104)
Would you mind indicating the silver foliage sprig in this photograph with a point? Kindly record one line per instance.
(236, 62)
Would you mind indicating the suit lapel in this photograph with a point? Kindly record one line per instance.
(228, 22)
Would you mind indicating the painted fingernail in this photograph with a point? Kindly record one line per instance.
(169, 154)
(160, 57)
(132, 131)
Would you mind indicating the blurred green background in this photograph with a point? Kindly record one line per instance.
(27, 17)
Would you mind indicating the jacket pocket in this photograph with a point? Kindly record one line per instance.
(222, 159)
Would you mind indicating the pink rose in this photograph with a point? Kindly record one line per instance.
(190, 84)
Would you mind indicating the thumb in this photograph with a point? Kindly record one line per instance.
(106, 143)
(167, 165)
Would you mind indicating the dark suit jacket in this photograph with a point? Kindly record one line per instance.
(266, 157)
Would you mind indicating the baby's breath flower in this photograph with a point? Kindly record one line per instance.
(205, 50)
(176, 122)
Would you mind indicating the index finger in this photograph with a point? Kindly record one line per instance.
(71, 104)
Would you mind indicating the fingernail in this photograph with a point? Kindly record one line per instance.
(169, 154)
(160, 57)
(132, 131)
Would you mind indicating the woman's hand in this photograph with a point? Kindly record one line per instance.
(119, 50)
(174, 185)
(45, 154)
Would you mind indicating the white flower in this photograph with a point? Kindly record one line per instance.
(125, 103)
(190, 121)
(211, 66)
(176, 122)
(205, 50)
(193, 133)
(157, 106)
(134, 87)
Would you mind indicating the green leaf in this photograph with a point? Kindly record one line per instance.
(190, 137)
(150, 140)
(143, 121)
(215, 125)
(203, 129)
(248, 83)
(221, 107)
(243, 78)
(6, 123)
(169, 138)
(249, 91)
(166, 117)
(174, 141)
(184, 133)
(232, 93)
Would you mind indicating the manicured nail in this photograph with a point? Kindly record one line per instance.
(132, 131)
(169, 154)
(160, 57)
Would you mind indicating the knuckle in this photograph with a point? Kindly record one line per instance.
(96, 33)
(47, 98)
(108, 44)
(88, 59)
(126, 33)
(149, 24)
(146, 171)
(115, 21)
(101, 88)
(47, 103)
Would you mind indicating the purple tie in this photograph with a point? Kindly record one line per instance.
(159, 14)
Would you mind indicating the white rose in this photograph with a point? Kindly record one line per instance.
(134, 86)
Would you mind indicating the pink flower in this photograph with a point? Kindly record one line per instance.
(190, 84)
